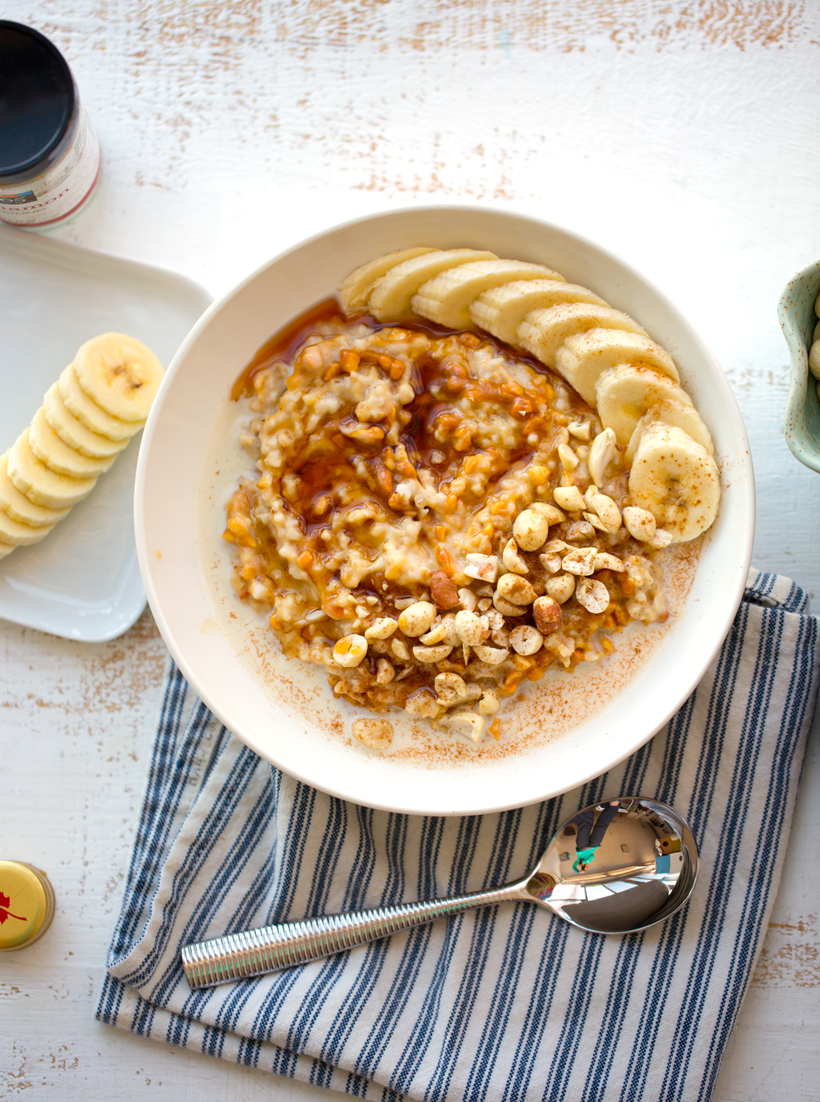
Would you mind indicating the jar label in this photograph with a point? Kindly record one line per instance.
(61, 189)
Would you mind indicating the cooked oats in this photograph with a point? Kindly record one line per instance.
(408, 524)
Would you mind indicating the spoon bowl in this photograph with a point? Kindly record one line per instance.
(644, 871)
(612, 868)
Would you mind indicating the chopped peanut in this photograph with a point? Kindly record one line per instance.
(493, 656)
(639, 523)
(512, 559)
(482, 567)
(530, 530)
(382, 628)
(470, 628)
(350, 650)
(432, 654)
(592, 594)
(569, 498)
(580, 561)
(561, 588)
(417, 619)
(375, 733)
(514, 588)
(526, 640)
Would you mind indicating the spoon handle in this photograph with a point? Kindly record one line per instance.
(272, 948)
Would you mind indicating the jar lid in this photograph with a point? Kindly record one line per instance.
(26, 904)
(36, 97)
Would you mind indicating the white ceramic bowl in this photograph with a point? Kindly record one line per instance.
(173, 551)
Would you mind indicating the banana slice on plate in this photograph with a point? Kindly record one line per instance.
(89, 413)
(502, 309)
(58, 456)
(18, 506)
(544, 331)
(582, 358)
(120, 374)
(354, 290)
(392, 295)
(15, 534)
(670, 411)
(73, 432)
(38, 483)
(676, 480)
(447, 297)
(625, 393)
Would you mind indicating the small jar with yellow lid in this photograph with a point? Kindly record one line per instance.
(26, 904)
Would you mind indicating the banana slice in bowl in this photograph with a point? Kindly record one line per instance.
(584, 357)
(676, 414)
(502, 309)
(676, 480)
(392, 296)
(354, 290)
(544, 331)
(447, 297)
(626, 392)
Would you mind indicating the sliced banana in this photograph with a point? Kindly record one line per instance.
(15, 534)
(18, 506)
(73, 432)
(447, 297)
(582, 358)
(625, 393)
(544, 331)
(392, 295)
(6, 549)
(604, 354)
(501, 310)
(120, 374)
(89, 413)
(58, 456)
(671, 412)
(676, 480)
(38, 483)
(354, 290)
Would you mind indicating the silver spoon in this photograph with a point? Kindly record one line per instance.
(644, 870)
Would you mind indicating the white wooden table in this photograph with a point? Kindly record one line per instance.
(684, 137)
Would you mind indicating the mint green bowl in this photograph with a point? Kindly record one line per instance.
(795, 311)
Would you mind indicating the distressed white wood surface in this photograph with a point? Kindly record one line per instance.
(682, 136)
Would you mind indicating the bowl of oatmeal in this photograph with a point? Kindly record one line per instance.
(402, 557)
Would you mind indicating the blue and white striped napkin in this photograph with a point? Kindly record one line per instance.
(505, 1003)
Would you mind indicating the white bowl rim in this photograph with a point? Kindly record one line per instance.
(734, 593)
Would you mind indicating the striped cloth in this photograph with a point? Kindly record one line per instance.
(504, 1003)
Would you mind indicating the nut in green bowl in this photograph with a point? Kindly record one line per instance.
(796, 313)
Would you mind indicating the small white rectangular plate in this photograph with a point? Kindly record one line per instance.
(83, 581)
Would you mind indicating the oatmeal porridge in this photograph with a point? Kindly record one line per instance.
(466, 472)
(437, 518)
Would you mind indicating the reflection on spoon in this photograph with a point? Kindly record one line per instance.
(613, 868)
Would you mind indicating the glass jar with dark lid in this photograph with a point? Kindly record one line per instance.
(49, 154)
